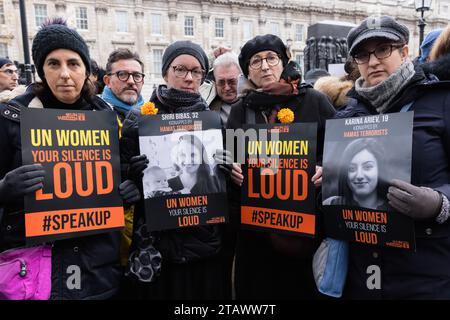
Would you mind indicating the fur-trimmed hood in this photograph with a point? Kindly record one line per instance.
(440, 67)
(335, 89)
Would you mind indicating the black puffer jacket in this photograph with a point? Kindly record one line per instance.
(97, 256)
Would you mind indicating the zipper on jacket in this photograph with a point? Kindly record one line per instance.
(23, 266)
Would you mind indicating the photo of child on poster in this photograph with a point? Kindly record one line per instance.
(181, 163)
(360, 160)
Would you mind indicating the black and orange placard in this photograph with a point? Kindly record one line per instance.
(361, 156)
(277, 193)
(183, 186)
(79, 151)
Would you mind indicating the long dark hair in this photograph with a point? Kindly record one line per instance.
(205, 181)
(356, 146)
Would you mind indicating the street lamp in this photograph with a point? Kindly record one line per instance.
(422, 6)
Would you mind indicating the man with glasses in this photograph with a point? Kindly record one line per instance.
(124, 80)
(123, 84)
(226, 73)
(9, 78)
(390, 83)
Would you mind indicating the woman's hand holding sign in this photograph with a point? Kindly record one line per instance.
(236, 174)
(317, 177)
(137, 166)
(417, 202)
(129, 192)
(21, 181)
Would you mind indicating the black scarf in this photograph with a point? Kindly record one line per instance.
(176, 101)
(51, 102)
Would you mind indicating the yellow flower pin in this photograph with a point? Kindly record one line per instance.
(149, 108)
(285, 115)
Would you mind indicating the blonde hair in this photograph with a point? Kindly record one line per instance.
(441, 46)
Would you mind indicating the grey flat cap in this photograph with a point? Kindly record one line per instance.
(377, 27)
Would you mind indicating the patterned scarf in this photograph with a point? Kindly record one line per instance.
(381, 95)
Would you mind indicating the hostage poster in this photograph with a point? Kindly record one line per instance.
(361, 156)
(277, 193)
(182, 184)
(79, 151)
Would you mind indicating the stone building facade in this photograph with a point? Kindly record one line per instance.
(149, 26)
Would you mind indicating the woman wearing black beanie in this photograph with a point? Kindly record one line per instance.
(270, 265)
(192, 262)
(62, 61)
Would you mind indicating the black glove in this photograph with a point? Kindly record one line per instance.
(21, 181)
(417, 202)
(224, 160)
(129, 192)
(137, 166)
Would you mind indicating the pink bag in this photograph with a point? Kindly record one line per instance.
(25, 273)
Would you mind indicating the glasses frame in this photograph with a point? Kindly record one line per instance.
(262, 59)
(10, 72)
(392, 46)
(187, 71)
(229, 82)
(129, 74)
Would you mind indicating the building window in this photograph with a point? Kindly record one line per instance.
(2, 13)
(156, 24)
(122, 21)
(298, 32)
(219, 28)
(82, 19)
(275, 28)
(157, 61)
(4, 50)
(40, 14)
(444, 8)
(248, 30)
(188, 26)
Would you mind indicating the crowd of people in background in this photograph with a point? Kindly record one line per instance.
(244, 88)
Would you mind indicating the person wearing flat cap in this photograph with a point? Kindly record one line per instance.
(389, 83)
(270, 265)
(192, 262)
(61, 57)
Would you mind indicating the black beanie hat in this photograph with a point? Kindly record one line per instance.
(262, 43)
(184, 47)
(4, 61)
(57, 35)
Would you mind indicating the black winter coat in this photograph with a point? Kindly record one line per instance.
(270, 266)
(425, 273)
(97, 255)
(192, 258)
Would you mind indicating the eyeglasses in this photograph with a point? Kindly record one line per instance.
(125, 75)
(381, 52)
(10, 72)
(230, 82)
(272, 60)
(181, 72)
